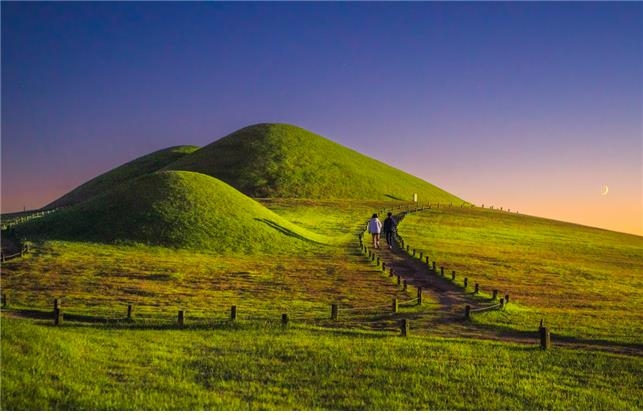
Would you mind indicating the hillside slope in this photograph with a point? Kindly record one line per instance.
(174, 209)
(279, 160)
(128, 171)
(585, 282)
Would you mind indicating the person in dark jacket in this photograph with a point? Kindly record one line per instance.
(389, 229)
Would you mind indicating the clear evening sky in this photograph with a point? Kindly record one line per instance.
(534, 107)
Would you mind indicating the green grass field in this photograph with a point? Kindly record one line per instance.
(584, 282)
(265, 367)
(359, 362)
(300, 276)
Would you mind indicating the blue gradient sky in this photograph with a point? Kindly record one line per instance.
(529, 106)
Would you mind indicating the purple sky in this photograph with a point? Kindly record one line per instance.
(530, 106)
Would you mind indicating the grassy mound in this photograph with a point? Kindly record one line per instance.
(279, 160)
(143, 165)
(174, 209)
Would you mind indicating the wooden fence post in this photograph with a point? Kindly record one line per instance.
(404, 328)
(394, 305)
(383, 266)
(502, 303)
(426, 259)
(495, 294)
(545, 339)
(129, 311)
(413, 252)
(405, 286)
(506, 298)
(399, 280)
(390, 272)
(421, 255)
(233, 313)
(477, 289)
(378, 261)
(466, 282)
(284, 320)
(58, 316)
(467, 312)
(4, 300)
(452, 275)
(433, 267)
(419, 295)
(334, 312)
(181, 318)
(442, 271)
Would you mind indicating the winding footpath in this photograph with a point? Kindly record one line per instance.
(446, 319)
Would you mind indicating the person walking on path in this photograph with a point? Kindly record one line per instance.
(389, 229)
(375, 228)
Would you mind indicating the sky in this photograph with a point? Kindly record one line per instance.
(533, 107)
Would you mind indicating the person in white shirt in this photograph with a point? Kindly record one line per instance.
(375, 228)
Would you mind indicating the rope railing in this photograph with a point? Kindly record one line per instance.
(377, 307)
(491, 307)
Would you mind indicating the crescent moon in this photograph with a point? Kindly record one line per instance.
(605, 190)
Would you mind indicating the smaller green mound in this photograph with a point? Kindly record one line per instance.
(173, 209)
(143, 165)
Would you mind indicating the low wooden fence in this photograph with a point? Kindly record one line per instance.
(382, 317)
(23, 250)
(18, 218)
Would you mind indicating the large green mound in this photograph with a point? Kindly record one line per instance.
(279, 160)
(174, 209)
(143, 165)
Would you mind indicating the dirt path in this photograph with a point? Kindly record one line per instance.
(447, 317)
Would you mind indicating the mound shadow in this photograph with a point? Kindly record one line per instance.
(285, 230)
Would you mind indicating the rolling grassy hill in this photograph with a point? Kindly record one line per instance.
(583, 281)
(122, 174)
(173, 209)
(279, 160)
